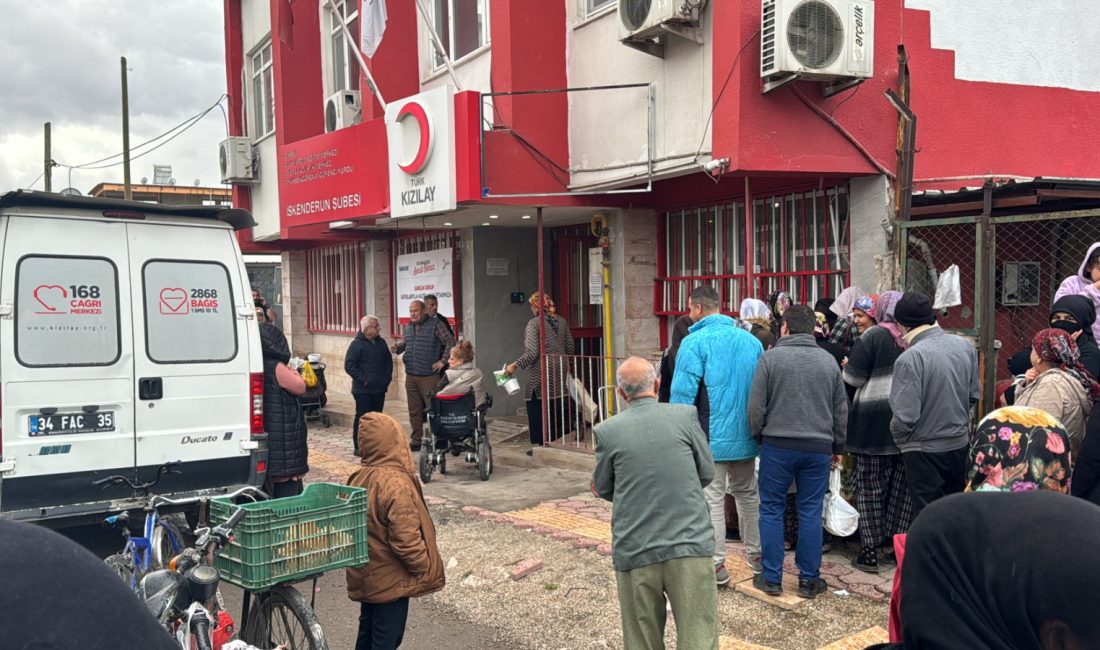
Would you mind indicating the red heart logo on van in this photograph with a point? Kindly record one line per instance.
(173, 301)
(49, 295)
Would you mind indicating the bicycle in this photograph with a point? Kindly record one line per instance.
(277, 615)
(186, 595)
(161, 539)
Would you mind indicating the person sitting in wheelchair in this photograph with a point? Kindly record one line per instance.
(462, 375)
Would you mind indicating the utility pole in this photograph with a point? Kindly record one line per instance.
(126, 135)
(47, 172)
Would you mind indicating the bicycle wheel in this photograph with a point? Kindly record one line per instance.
(165, 544)
(282, 616)
(123, 565)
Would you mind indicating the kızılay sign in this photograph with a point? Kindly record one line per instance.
(421, 137)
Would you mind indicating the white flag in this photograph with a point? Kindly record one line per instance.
(373, 13)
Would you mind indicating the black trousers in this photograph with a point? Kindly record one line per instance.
(932, 476)
(285, 489)
(382, 627)
(365, 403)
(561, 418)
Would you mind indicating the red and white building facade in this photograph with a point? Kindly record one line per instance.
(461, 161)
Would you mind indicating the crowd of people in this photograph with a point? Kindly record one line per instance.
(786, 393)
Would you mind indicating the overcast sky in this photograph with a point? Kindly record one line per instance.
(59, 63)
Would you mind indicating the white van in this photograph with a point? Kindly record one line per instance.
(128, 342)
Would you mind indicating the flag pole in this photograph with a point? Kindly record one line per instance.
(358, 55)
(439, 45)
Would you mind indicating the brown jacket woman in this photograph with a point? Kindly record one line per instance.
(404, 560)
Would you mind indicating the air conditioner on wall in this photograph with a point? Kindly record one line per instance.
(236, 161)
(342, 109)
(647, 23)
(825, 40)
(1020, 284)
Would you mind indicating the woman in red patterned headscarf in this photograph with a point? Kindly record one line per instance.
(1059, 384)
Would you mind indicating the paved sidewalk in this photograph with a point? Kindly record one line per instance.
(541, 523)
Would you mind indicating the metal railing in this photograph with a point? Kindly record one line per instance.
(580, 395)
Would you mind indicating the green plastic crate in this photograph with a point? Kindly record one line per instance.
(281, 540)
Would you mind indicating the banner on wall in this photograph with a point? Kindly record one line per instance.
(420, 274)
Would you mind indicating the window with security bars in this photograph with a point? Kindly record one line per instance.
(799, 243)
(334, 288)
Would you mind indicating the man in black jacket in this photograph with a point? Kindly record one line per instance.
(370, 365)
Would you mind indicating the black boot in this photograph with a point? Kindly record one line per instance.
(867, 560)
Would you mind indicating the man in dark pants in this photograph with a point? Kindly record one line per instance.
(427, 345)
(934, 387)
(370, 365)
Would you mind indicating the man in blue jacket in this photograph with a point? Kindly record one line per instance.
(722, 356)
(370, 365)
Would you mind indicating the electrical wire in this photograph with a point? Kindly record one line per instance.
(722, 91)
(186, 124)
(31, 186)
(843, 131)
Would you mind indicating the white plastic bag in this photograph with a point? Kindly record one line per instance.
(948, 291)
(840, 517)
(582, 398)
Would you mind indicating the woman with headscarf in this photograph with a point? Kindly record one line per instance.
(778, 303)
(759, 319)
(823, 307)
(1058, 384)
(1075, 315)
(844, 332)
(559, 343)
(821, 335)
(863, 313)
(980, 574)
(1018, 449)
(1086, 471)
(881, 490)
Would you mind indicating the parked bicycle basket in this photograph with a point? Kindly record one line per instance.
(281, 540)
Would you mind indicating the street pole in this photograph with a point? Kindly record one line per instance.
(48, 161)
(126, 135)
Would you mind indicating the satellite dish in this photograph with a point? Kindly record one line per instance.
(144, 180)
(70, 191)
(171, 181)
(197, 182)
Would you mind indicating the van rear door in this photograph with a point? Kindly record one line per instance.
(191, 355)
(68, 415)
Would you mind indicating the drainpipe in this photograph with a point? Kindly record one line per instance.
(599, 230)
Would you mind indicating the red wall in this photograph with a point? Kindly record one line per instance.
(964, 127)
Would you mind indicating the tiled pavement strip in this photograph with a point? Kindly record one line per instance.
(584, 522)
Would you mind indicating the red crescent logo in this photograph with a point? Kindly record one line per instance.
(427, 136)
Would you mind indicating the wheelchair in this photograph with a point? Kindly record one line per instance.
(455, 425)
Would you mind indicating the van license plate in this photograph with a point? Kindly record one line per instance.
(65, 423)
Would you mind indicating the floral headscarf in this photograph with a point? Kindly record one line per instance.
(866, 304)
(1055, 346)
(821, 327)
(1018, 449)
(884, 316)
(779, 302)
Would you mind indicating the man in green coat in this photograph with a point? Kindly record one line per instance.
(652, 462)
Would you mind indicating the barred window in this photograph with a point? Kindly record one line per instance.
(334, 288)
(799, 244)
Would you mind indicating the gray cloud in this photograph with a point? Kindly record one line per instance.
(59, 62)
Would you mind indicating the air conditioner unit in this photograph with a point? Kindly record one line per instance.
(826, 40)
(1020, 284)
(236, 161)
(341, 110)
(646, 23)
